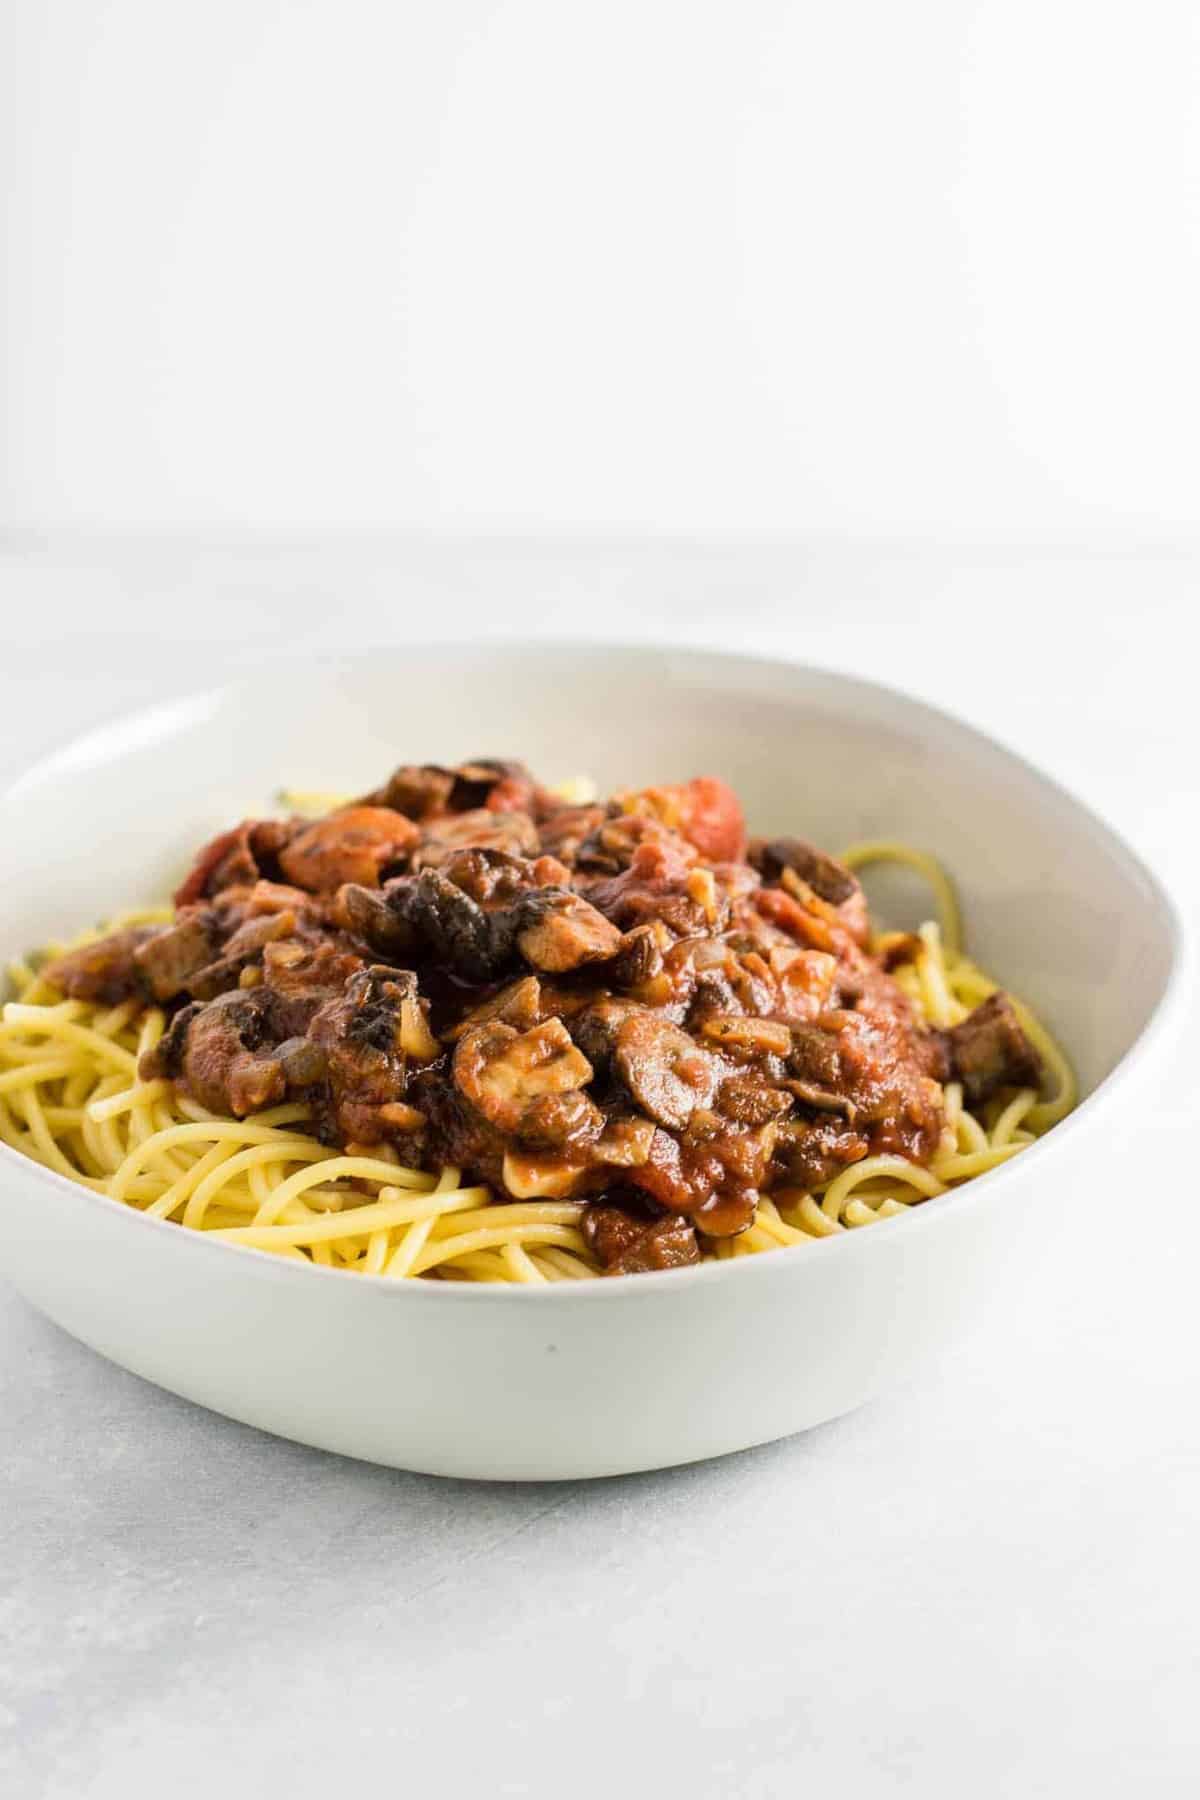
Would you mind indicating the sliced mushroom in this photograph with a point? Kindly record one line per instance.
(106, 970)
(226, 1053)
(303, 977)
(823, 1099)
(665, 1070)
(746, 1036)
(473, 944)
(496, 782)
(513, 832)
(503, 1073)
(303, 1062)
(826, 876)
(534, 1175)
(989, 1050)
(625, 1142)
(558, 930)
(362, 1033)
(170, 957)
(747, 1100)
(640, 959)
(355, 845)
(418, 790)
(427, 790)
(629, 1245)
(164, 1060)
(246, 944)
(365, 912)
(519, 1005)
(595, 1030)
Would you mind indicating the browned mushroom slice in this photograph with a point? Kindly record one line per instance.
(826, 876)
(595, 1029)
(628, 1245)
(106, 970)
(367, 1034)
(243, 948)
(169, 958)
(418, 790)
(365, 913)
(815, 1057)
(640, 960)
(164, 1060)
(303, 1062)
(427, 790)
(748, 1100)
(558, 930)
(565, 828)
(815, 1150)
(225, 1053)
(355, 845)
(471, 943)
(519, 1005)
(496, 782)
(514, 832)
(665, 1070)
(822, 1099)
(504, 1073)
(625, 1142)
(563, 1121)
(989, 1050)
(541, 1175)
(742, 1035)
(302, 977)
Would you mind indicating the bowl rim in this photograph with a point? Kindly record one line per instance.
(98, 738)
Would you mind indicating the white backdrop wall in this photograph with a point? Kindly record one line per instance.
(677, 264)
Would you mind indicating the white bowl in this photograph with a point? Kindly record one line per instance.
(614, 1375)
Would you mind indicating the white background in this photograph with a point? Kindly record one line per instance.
(656, 264)
(983, 1585)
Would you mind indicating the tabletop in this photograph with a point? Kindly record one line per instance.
(987, 1580)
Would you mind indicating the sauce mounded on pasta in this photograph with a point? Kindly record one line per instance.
(628, 1005)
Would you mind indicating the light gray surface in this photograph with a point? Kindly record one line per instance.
(988, 1583)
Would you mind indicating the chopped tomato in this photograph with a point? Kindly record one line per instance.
(710, 816)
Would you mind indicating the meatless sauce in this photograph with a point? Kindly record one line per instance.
(624, 1003)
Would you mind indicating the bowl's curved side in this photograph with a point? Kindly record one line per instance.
(613, 1376)
(544, 1389)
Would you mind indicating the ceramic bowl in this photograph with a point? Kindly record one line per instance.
(594, 1378)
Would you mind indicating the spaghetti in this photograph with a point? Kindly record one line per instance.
(71, 1099)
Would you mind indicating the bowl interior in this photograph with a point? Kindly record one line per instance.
(1056, 907)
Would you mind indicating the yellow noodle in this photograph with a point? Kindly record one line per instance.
(570, 1267)
(143, 1094)
(447, 1249)
(66, 1031)
(895, 1168)
(860, 855)
(520, 1264)
(401, 1261)
(397, 1209)
(547, 1270)
(33, 1072)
